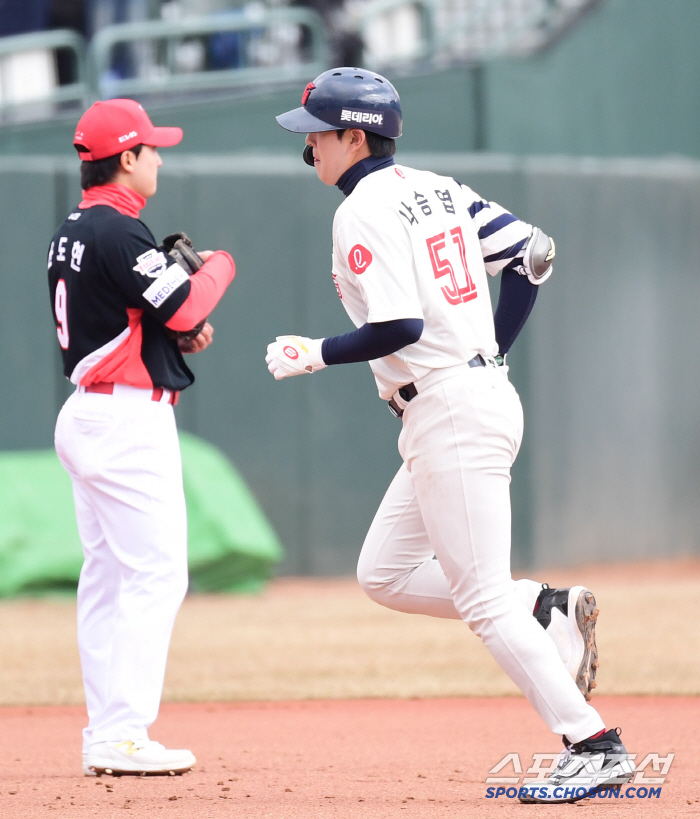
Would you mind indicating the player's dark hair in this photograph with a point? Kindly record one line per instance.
(101, 171)
(379, 146)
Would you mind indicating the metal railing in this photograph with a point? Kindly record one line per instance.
(160, 72)
(404, 30)
(286, 45)
(445, 31)
(51, 41)
(291, 40)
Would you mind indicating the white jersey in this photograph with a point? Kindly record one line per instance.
(413, 244)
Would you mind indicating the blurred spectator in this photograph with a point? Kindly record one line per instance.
(226, 49)
(346, 44)
(100, 13)
(66, 14)
(23, 16)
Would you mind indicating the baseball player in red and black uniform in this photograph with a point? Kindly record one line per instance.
(115, 296)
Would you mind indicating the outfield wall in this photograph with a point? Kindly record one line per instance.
(611, 457)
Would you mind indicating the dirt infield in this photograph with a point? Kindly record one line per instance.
(365, 758)
(324, 639)
(279, 695)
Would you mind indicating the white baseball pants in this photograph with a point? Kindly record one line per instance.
(123, 456)
(451, 499)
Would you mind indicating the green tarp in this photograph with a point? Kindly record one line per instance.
(232, 547)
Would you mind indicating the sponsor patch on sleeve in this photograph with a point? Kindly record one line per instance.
(164, 286)
(359, 259)
(151, 263)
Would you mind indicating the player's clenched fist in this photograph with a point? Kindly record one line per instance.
(294, 355)
(200, 342)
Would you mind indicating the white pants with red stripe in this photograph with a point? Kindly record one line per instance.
(123, 456)
(451, 499)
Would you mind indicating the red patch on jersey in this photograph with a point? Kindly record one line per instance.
(337, 286)
(124, 363)
(309, 88)
(290, 352)
(400, 173)
(359, 259)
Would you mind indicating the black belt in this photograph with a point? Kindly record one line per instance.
(408, 392)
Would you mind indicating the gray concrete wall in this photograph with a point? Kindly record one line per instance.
(605, 365)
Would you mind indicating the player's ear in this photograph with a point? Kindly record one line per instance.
(358, 138)
(127, 161)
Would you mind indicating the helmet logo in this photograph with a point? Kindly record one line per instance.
(361, 117)
(359, 259)
(309, 88)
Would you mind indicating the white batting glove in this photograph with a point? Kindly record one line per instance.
(294, 355)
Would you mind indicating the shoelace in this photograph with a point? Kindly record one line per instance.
(563, 759)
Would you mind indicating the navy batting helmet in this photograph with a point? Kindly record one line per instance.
(347, 98)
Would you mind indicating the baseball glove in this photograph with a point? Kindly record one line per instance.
(180, 248)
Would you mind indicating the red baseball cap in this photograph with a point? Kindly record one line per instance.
(111, 126)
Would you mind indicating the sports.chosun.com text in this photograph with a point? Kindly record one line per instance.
(612, 792)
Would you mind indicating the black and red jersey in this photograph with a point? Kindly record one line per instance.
(112, 291)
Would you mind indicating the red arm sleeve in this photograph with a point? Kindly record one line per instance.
(207, 286)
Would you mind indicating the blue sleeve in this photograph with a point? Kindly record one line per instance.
(371, 341)
(515, 302)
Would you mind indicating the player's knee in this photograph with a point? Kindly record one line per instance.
(172, 582)
(367, 578)
(477, 614)
(375, 584)
(181, 586)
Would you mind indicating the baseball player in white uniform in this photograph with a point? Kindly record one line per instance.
(117, 301)
(411, 252)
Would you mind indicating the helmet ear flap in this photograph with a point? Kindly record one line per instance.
(308, 155)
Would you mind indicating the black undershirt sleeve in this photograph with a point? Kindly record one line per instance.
(515, 302)
(371, 341)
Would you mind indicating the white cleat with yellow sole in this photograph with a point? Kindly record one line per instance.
(136, 758)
